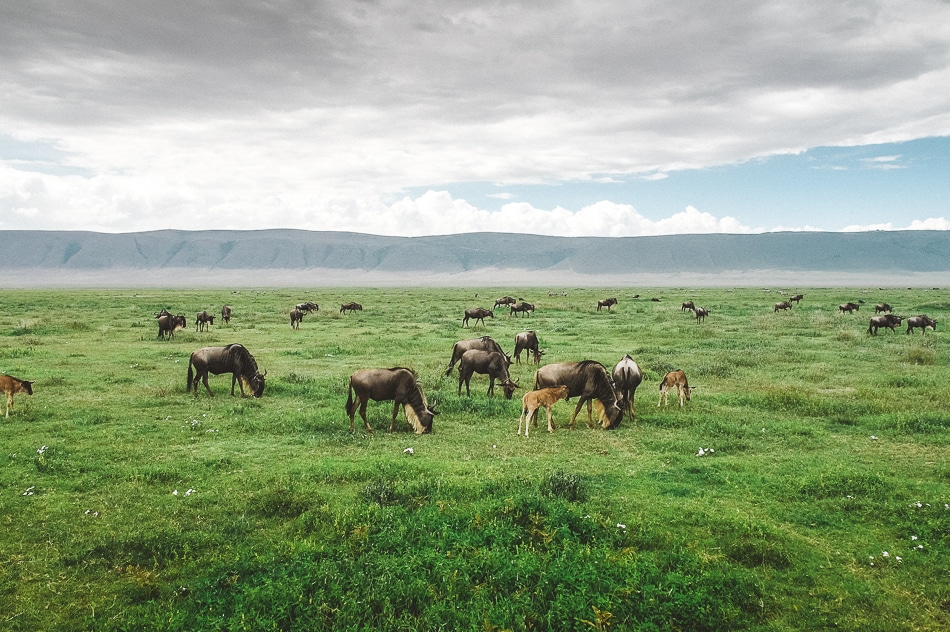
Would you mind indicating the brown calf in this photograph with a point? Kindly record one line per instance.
(674, 379)
(542, 398)
(11, 386)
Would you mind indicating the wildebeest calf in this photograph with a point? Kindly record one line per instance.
(542, 398)
(674, 379)
(11, 386)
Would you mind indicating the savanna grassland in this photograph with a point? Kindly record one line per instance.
(821, 501)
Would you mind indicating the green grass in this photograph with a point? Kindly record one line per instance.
(830, 447)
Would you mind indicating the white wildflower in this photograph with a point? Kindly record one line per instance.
(913, 537)
(885, 554)
(873, 438)
(175, 493)
(408, 451)
(621, 526)
(41, 450)
(29, 490)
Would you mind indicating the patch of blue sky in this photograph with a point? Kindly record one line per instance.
(826, 188)
(39, 157)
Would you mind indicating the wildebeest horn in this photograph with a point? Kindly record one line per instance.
(264, 374)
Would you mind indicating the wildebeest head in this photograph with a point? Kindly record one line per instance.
(509, 388)
(256, 383)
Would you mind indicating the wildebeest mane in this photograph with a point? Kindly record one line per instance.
(243, 358)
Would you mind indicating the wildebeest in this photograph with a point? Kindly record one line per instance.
(350, 307)
(607, 302)
(687, 306)
(399, 385)
(701, 313)
(168, 324)
(505, 300)
(887, 320)
(11, 386)
(491, 363)
(203, 321)
(542, 398)
(523, 308)
(296, 316)
(308, 307)
(226, 314)
(527, 341)
(782, 305)
(587, 380)
(233, 359)
(478, 313)
(796, 298)
(627, 377)
(923, 321)
(484, 343)
(674, 379)
(848, 307)
(882, 307)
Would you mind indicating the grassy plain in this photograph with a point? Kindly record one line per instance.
(128, 504)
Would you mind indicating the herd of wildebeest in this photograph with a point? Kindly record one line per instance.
(588, 380)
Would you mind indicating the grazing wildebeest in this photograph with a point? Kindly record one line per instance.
(701, 314)
(922, 322)
(203, 321)
(478, 313)
(491, 363)
(308, 307)
(627, 377)
(687, 306)
(882, 307)
(782, 305)
(607, 302)
(848, 307)
(168, 324)
(11, 386)
(485, 343)
(527, 341)
(504, 300)
(350, 307)
(587, 380)
(887, 320)
(296, 316)
(796, 298)
(397, 384)
(226, 314)
(674, 379)
(542, 398)
(523, 308)
(233, 359)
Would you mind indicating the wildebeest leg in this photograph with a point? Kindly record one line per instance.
(491, 385)
(580, 402)
(392, 423)
(550, 418)
(204, 378)
(363, 403)
(9, 403)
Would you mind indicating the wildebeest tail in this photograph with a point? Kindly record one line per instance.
(190, 377)
(349, 399)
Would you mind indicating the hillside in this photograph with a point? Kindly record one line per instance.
(249, 258)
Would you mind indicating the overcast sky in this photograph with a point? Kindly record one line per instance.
(635, 117)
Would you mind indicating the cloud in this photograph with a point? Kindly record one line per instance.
(318, 115)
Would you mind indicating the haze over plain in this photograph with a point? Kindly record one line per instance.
(423, 118)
